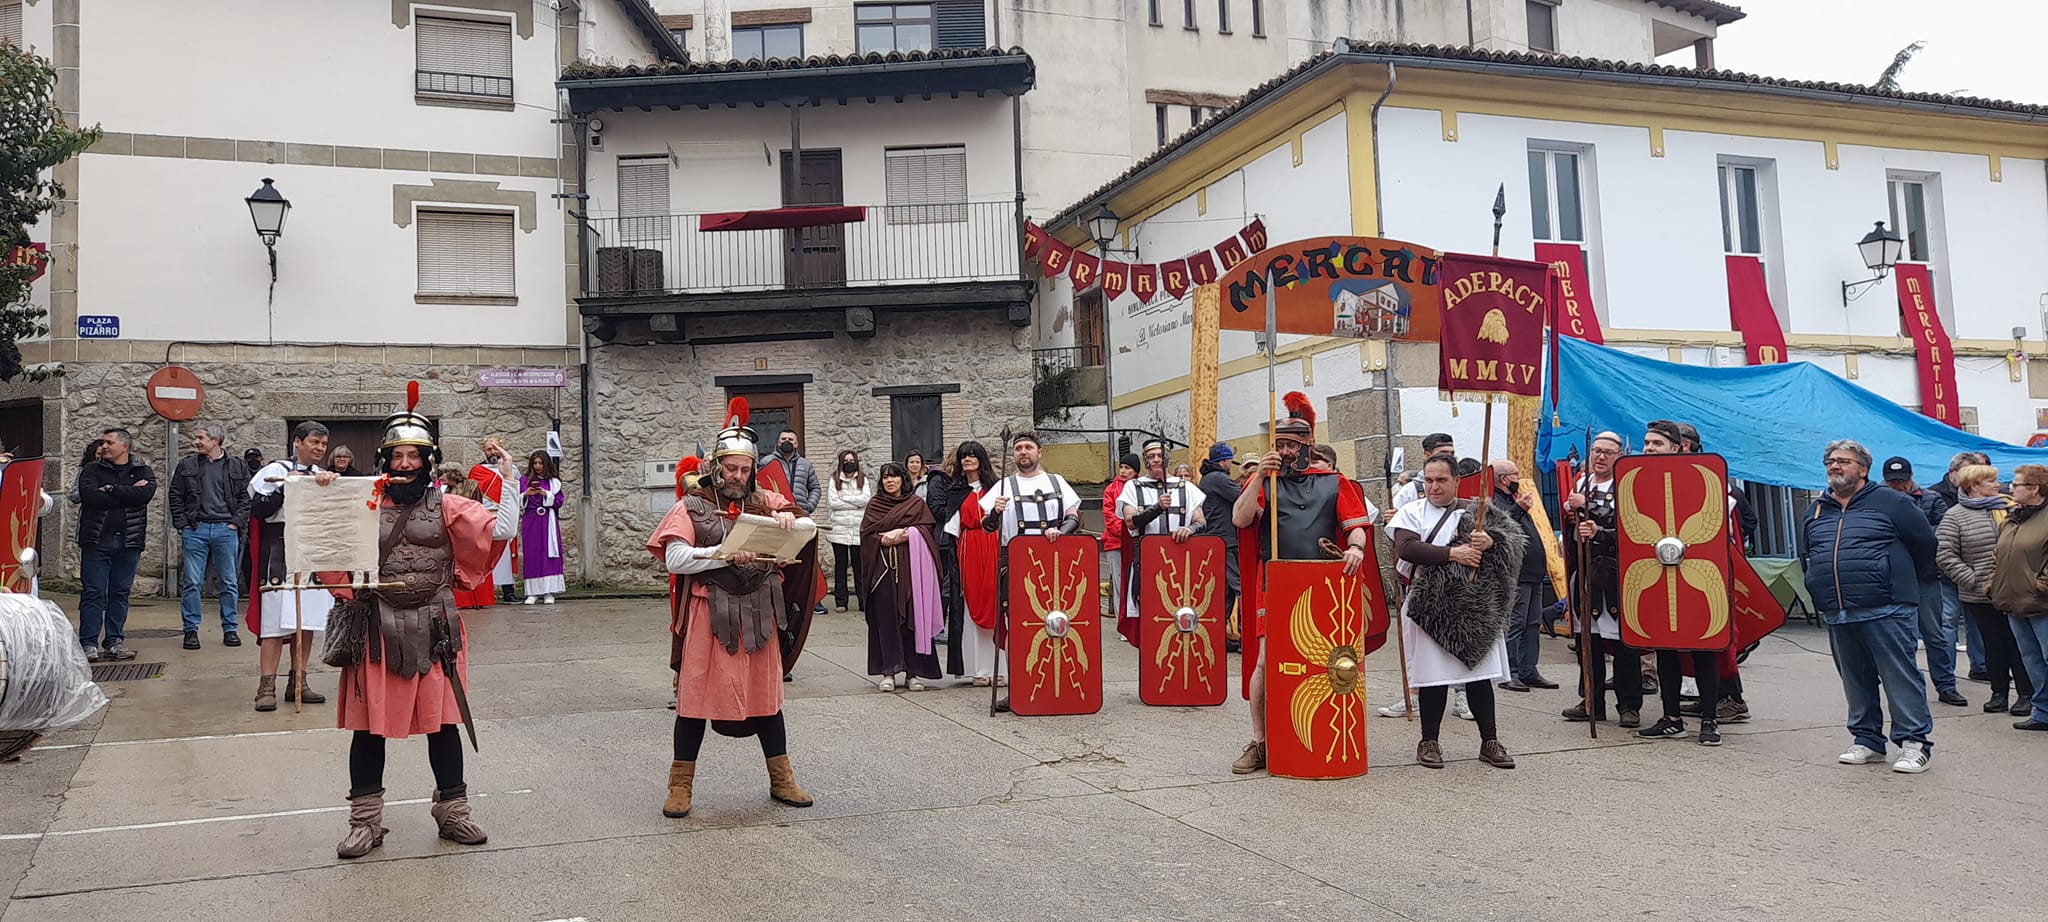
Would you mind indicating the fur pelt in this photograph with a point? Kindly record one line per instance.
(1468, 616)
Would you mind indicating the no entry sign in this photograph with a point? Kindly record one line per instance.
(175, 393)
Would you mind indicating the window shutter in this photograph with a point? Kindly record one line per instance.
(926, 185)
(465, 253)
(959, 24)
(462, 56)
(10, 22)
(643, 198)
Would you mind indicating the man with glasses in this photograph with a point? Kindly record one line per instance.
(1861, 545)
(1589, 512)
(2015, 588)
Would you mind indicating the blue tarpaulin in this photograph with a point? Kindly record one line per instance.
(1770, 421)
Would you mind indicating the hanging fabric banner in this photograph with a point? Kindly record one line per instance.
(1492, 327)
(1054, 258)
(1034, 237)
(1144, 282)
(1254, 235)
(1231, 252)
(1116, 279)
(1930, 344)
(1749, 309)
(1574, 307)
(1084, 271)
(1201, 268)
(1173, 278)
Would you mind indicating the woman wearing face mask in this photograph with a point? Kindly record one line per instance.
(846, 502)
(900, 595)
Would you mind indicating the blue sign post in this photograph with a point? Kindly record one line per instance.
(101, 326)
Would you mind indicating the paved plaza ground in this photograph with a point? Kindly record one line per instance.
(180, 802)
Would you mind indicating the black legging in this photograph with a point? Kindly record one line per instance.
(1706, 671)
(2001, 650)
(444, 754)
(949, 590)
(690, 736)
(1435, 698)
(845, 560)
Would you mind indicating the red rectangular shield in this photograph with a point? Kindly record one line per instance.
(1756, 610)
(1055, 626)
(1317, 632)
(1672, 515)
(21, 507)
(1180, 622)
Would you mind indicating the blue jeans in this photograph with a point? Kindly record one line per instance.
(108, 575)
(1951, 609)
(217, 544)
(1941, 651)
(2032, 636)
(1525, 627)
(1877, 651)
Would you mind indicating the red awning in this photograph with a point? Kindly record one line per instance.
(783, 218)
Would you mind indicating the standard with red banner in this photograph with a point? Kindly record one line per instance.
(1180, 622)
(1055, 626)
(1319, 628)
(1932, 350)
(1756, 611)
(1671, 512)
(21, 507)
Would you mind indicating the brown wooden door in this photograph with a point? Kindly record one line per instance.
(772, 411)
(814, 256)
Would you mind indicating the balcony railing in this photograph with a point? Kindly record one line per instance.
(895, 245)
(451, 84)
(1056, 360)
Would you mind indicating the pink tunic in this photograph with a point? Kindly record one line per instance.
(395, 707)
(714, 684)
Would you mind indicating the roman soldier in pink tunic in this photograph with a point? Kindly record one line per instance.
(415, 666)
(727, 613)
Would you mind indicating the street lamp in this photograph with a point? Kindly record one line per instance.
(268, 207)
(1880, 250)
(1102, 227)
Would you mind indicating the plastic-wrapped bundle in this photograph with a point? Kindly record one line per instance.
(45, 683)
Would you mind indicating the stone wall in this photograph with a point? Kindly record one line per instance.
(253, 395)
(659, 401)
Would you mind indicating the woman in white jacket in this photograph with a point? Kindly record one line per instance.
(846, 501)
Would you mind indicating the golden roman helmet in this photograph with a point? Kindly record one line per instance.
(736, 438)
(409, 427)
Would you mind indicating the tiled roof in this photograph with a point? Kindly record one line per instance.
(582, 71)
(1533, 64)
(1719, 14)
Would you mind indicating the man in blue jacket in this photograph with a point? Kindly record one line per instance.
(1861, 545)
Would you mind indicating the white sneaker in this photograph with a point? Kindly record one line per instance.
(1860, 754)
(887, 685)
(1912, 758)
(547, 600)
(530, 600)
(1398, 709)
(1460, 707)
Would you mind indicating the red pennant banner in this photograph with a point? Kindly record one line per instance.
(1116, 279)
(1749, 309)
(1034, 237)
(1173, 278)
(1931, 347)
(1084, 271)
(1144, 282)
(1492, 332)
(1254, 235)
(1055, 257)
(1574, 307)
(1201, 268)
(1230, 253)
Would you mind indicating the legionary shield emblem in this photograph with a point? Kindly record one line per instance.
(1180, 622)
(20, 510)
(1320, 624)
(1757, 612)
(1672, 514)
(1055, 626)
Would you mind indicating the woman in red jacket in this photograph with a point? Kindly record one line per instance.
(1113, 530)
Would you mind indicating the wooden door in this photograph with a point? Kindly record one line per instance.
(814, 256)
(772, 411)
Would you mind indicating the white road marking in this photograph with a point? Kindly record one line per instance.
(167, 824)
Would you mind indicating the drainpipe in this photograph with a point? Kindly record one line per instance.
(1379, 223)
(586, 530)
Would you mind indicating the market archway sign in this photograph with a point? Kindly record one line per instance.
(1362, 287)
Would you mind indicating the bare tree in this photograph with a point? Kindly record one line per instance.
(1889, 80)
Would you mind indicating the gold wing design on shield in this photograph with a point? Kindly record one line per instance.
(1310, 696)
(1640, 528)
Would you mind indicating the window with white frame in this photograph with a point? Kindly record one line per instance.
(1223, 17)
(465, 58)
(643, 199)
(1159, 115)
(880, 28)
(1741, 210)
(1556, 198)
(10, 22)
(925, 185)
(1542, 25)
(1258, 18)
(465, 256)
(1187, 14)
(754, 43)
(1911, 196)
(1152, 12)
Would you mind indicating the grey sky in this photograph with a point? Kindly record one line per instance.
(1989, 48)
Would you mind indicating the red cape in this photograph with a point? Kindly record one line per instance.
(1251, 603)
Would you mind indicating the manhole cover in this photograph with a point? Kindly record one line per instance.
(126, 672)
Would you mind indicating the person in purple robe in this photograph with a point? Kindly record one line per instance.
(900, 583)
(540, 529)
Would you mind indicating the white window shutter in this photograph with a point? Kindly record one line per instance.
(465, 253)
(464, 57)
(926, 185)
(643, 199)
(10, 22)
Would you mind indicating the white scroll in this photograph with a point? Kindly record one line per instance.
(331, 528)
(760, 536)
